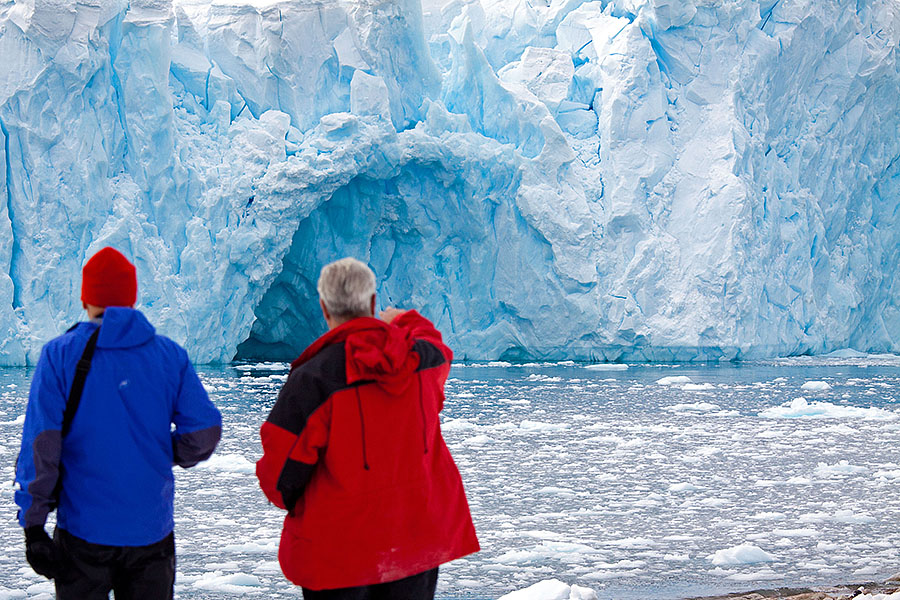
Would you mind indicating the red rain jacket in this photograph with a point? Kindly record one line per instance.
(353, 450)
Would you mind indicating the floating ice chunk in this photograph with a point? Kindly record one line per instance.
(769, 516)
(541, 377)
(458, 425)
(545, 551)
(552, 589)
(264, 366)
(798, 480)
(677, 557)
(708, 450)
(478, 440)
(841, 469)
(743, 554)
(715, 502)
(539, 427)
(683, 487)
(251, 548)
(674, 380)
(635, 543)
(555, 491)
(237, 583)
(763, 575)
(888, 474)
(698, 387)
(267, 567)
(230, 463)
(42, 587)
(795, 533)
(693, 407)
(799, 408)
(847, 516)
(816, 386)
(607, 367)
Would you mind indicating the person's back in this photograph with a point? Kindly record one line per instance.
(117, 482)
(111, 471)
(353, 450)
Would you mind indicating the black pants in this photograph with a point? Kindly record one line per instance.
(417, 587)
(90, 571)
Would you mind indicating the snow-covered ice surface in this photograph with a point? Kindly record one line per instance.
(619, 180)
(601, 480)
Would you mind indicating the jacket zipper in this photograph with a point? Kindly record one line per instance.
(362, 428)
(422, 409)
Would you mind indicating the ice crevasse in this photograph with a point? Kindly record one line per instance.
(557, 179)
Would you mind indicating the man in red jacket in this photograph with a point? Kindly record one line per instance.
(353, 451)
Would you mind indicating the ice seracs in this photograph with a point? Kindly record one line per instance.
(613, 181)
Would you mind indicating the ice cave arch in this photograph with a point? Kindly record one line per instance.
(444, 257)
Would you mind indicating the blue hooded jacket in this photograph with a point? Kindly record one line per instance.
(116, 461)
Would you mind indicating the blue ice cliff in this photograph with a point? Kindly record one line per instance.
(610, 180)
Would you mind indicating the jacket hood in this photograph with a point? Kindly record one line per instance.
(124, 328)
(374, 351)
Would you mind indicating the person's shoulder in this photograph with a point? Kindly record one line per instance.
(170, 347)
(328, 366)
(79, 331)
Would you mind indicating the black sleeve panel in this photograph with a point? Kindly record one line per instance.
(308, 387)
(292, 481)
(46, 451)
(429, 355)
(190, 448)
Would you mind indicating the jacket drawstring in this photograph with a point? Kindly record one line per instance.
(362, 425)
(422, 409)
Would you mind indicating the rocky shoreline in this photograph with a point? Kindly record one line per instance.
(839, 592)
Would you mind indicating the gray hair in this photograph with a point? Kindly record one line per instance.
(346, 287)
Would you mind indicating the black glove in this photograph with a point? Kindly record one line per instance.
(41, 552)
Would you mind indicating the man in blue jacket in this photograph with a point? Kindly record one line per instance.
(109, 475)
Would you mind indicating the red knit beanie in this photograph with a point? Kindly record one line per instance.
(108, 279)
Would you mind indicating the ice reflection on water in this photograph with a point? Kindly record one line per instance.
(605, 478)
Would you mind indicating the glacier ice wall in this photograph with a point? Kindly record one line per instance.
(616, 180)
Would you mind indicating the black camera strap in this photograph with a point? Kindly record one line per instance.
(81, 373)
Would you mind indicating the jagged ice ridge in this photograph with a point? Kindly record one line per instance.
(610, 180)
